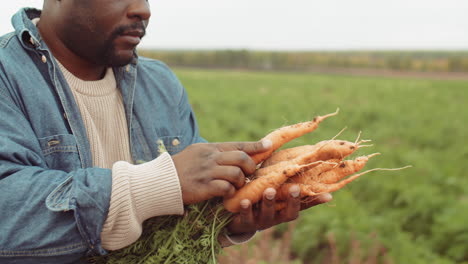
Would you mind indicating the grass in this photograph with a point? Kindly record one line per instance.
(419, 214)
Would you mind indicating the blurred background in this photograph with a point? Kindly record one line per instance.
(398, 71)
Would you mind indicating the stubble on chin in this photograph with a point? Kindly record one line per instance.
(111, 58)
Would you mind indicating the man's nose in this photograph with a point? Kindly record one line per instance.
(139, 9)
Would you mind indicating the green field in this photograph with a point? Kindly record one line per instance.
(418, 215)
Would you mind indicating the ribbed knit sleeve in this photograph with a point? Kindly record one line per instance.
(140, 192)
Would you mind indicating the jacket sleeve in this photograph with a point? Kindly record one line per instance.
(45, 212)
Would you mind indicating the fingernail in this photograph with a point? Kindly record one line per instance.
(270, 194)
(326, 197)
(245, 203)
(295, 191)
(266, 143)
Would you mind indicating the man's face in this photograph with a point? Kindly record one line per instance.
(104, 32)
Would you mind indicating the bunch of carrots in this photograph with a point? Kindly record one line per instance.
(192, 238)
(316, 169)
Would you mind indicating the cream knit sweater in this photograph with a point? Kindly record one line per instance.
(139, 192)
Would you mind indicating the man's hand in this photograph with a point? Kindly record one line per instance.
(251, 220)
(207, 170)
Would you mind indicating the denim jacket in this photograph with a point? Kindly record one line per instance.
(53, 202)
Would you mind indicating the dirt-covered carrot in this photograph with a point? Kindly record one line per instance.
(294, 152)
(275, 175)
(327, 150)
(332, 171)
(253, 190)
(304, 176)
(344, 169)
(282, 193)
(285, 134)
(313, 188)
(288, 154)
(315, 168)
(332, 149)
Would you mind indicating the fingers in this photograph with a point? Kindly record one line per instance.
(316, 200)
(206, 170)
(268, 217)
(221, 188)
(248, 221)
(291, 212)
(267, 209)
(231, 174)
(237, 158)
(247, 147)
(246, 214)
(244, 221)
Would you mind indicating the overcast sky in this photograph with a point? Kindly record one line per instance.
(297, 24)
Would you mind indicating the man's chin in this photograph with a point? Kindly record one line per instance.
(120, 58)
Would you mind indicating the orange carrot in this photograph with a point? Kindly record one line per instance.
(344, 169)
(336, 149)
(288, 154)
(292, 153)
(315, 168)
(275, 175)
(313, 188)
(327, 150)
(253, 190)
(282, 193)
(331, 171)
(304, 176)
(285, 134)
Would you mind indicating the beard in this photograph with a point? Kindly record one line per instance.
(110, 55)
(88, 41)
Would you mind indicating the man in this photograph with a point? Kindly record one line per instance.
(83, 122)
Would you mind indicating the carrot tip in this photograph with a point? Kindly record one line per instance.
(373, 155)
(320, 118)
(339, 133)
(358, 137)
(381, 169)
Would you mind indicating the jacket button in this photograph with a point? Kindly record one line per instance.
(31, 40)
(175, 142)
(127, 68)
(44, 59)
(53, 142)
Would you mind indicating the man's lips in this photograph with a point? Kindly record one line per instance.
(132, 37)
(134, 33)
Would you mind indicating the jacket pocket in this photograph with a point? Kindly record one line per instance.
(60, 152)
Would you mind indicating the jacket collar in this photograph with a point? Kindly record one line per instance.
(25, 30)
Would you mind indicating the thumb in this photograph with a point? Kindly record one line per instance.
(247, 147)
(257, 147)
